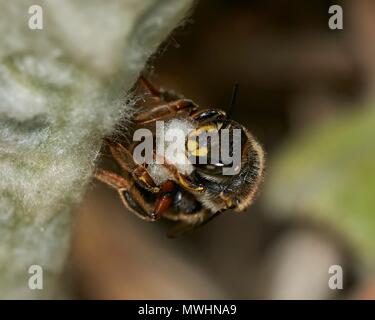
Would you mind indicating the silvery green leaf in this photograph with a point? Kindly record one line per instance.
(61, 90)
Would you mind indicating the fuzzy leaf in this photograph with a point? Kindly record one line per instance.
(61, 90)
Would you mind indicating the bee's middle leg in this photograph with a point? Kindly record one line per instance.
(125, 159)
(129, 194)
(165, 110)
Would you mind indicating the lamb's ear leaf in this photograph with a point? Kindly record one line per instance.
(60, 93)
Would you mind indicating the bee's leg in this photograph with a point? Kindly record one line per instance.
(159, 94)
(165, 198)
(155, 92)
(163, 111)
(125, 159)
(229, 203)
(122, 155)
(112, 179)
(183, 180)
(130, 196)
(143, 177)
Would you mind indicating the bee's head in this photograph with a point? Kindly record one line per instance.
(216, 147)
(228, 162)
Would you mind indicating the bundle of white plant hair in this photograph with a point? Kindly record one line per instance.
(60, 93)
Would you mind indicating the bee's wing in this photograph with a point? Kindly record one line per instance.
(185, 226)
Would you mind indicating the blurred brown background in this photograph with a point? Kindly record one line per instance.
(293, 71)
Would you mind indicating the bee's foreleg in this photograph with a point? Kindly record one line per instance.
(183, 180)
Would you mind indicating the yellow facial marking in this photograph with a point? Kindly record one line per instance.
(205, 128)
(201, 152)
(192, 145)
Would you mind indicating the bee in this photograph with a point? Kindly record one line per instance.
(190, 197)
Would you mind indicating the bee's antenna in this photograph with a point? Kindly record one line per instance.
(232, 100)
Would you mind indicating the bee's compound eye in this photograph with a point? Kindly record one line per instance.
(210, 115)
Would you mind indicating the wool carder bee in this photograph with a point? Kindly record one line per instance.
(190, 192)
